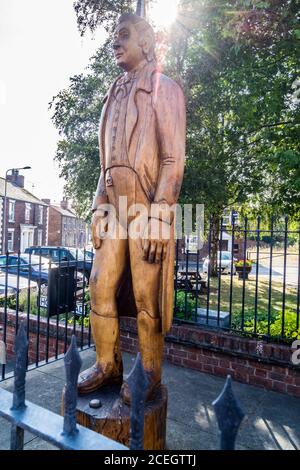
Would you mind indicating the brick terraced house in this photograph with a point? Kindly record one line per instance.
(65, 228)
(26, 216)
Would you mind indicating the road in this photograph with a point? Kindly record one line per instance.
(263, 272)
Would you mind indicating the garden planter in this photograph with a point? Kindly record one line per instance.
(243, 271)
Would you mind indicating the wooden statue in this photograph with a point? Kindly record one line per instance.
(142, 154)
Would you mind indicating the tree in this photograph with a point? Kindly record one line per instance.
(238, 62)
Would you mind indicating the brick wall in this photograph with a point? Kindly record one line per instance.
(249, 361)
(20, 219)
(257, 363)
(56, 338)
(54, 228)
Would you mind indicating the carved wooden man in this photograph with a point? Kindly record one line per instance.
(142, 154)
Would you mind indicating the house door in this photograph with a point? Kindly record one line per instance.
(27, 237)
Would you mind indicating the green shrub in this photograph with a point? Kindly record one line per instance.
(290, 323)
(291, 331)
(182, 300)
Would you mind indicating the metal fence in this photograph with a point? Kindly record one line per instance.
(66, 434)
(252, 289)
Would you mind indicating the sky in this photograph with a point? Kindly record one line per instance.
(40, 48)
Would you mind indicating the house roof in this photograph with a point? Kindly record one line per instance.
(20, 194)
(65, 212)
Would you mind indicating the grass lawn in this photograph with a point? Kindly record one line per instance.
(279, 327)
(250, 291)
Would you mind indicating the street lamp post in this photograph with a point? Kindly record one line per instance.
(5, 205)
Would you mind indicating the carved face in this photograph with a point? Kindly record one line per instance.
(127, 48)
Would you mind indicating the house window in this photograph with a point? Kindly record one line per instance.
(41, 210)
(11, 211)
(40, 238)
(27, 212)
(10, 240)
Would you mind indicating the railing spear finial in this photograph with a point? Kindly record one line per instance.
(73, 364)
(141, 8)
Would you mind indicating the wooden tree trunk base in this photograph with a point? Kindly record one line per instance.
(113, 418)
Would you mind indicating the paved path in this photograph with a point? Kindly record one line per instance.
(272, 420)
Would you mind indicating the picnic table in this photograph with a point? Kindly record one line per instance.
(191, 281)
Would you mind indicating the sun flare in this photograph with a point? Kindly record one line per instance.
(163, 12)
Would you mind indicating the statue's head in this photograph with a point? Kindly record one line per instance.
(134, 41)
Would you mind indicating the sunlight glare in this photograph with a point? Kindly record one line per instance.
(163, 12)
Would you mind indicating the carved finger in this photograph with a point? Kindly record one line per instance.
(146, 249)
(159, 250)
(152, 252)
(165, 250)
(95, 239)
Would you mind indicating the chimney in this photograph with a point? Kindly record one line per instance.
(16, 179)
(47, 201)
(65, 203)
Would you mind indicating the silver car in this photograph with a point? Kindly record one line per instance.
(226, 257)
(12, 284)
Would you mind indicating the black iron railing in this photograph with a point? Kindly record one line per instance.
(66, 434)
(252, 288)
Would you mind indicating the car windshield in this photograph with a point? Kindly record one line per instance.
(34, 260)
(225, 256)
(79, 255)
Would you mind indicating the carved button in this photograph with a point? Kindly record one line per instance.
(109, 181)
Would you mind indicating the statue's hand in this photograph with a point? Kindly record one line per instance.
(99, 228)
(155, 241)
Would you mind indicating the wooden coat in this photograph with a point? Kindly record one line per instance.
(155, 139)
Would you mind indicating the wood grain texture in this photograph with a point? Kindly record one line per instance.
(113, 418)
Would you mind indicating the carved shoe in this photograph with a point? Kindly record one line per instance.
(94, 378)
(153, 387)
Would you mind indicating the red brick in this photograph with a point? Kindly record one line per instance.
(192, 356)
(177, 361)
(178, 353)
(192, 364)
(260, 381)
(240, 368)
(294, 372)
(222, 371)
(293, 380)
(280, 370)
(279, 386)
(207, 352)
(260, 373)
(277, 377)
(208, 368)
(293, 390)
(240, 376)
(225, 363)
(210, 360)
(259, 365)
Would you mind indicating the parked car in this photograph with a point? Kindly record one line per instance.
(13, 285)
(226, 261)
(32, 267)
(64, 256)
(89, 255)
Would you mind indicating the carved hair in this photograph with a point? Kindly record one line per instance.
(145, 32)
